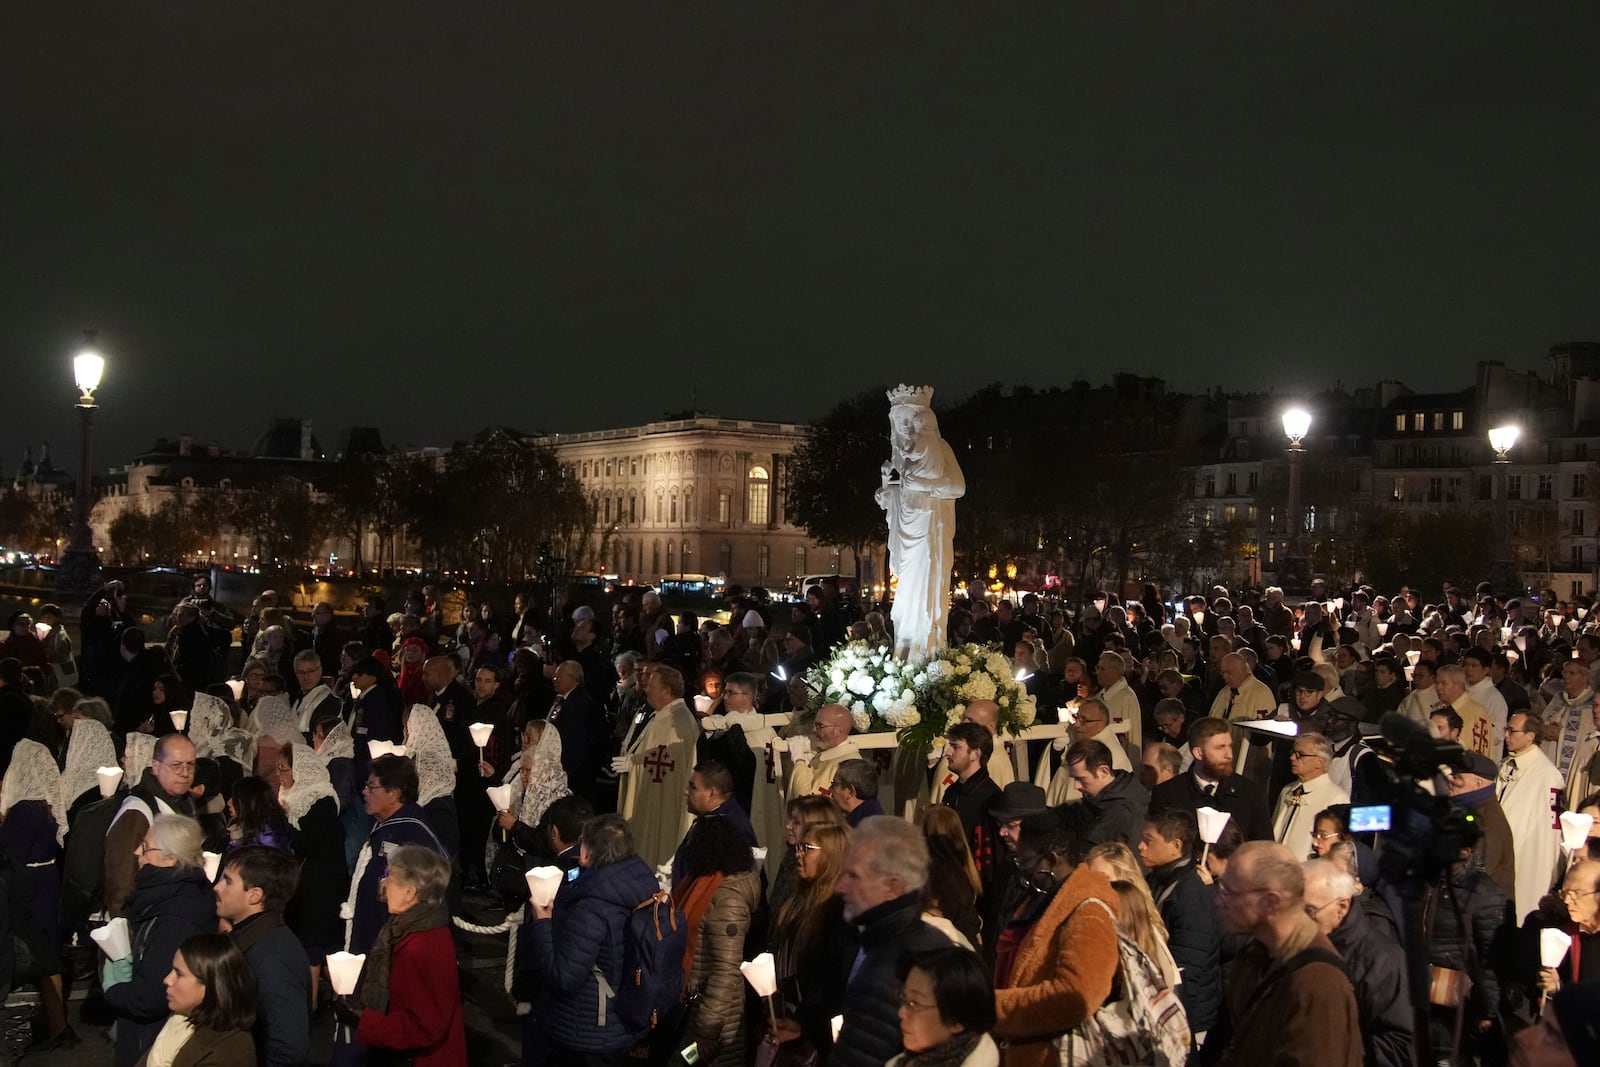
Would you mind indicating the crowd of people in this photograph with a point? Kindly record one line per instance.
(655, 801)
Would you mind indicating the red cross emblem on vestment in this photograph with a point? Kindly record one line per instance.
(658, 763)
(1480, 736)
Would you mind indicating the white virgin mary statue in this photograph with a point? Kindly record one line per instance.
(921, 482)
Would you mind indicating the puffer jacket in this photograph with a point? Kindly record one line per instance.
(168, 906)
(718, 1013)
(1377, 968)
(1486, 912)
(871, 1032)
(586, 930)
(1194, 934)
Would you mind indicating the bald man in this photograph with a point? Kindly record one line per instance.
(1310, 1006)
(985, 713)
(1111, 671)
(831, 746)
(1243, 697)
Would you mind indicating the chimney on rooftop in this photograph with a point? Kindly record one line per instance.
(306, 451)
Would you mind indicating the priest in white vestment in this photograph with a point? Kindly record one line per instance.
(1295, 819)
(658, 764)
(1529, 788)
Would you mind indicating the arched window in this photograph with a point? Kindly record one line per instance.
(660, 510)
(799, 561)
(759, 495)
(683, 560)
(672, 567)
(674, 505)
(655, 558)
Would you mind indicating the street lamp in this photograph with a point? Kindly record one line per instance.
(1503, 439)
(80, 564)
(1292, 571)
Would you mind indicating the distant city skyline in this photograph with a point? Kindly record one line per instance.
(564, 220)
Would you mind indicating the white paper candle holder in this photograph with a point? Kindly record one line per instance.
(543, 883)
(109, 778)
(344, 970)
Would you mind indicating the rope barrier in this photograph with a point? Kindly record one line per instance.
(507, 926)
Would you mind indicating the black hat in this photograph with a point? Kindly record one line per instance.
(1017, 800)
(1349, 708)
(1309, 680)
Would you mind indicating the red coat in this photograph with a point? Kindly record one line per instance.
(424, 1016)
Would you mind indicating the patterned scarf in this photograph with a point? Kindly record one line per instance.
(949, 1054)
(419, 918)
(1576, 713)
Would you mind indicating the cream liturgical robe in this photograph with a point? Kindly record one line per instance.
(1582, 782)
(1296, 817)
(1059, 788)
(767, 814)
(1530, 788)
(661, 762)
(813, 776)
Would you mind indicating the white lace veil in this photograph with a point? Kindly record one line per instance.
(547, 782)
(427, 745)
(337, 743)
(239, 746)
(311, 783)
(88, 749)
(274, 717)
(136, 756)
(33, 776)
(208, 718)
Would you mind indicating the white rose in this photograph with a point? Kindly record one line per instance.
(862, 683)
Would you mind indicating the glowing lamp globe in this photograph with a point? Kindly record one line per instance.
(1296, 424)
(87, 367)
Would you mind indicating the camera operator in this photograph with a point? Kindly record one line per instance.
(1467, 950)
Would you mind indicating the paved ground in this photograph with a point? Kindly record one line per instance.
(494, 1035)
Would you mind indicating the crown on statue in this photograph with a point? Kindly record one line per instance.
(919, 396)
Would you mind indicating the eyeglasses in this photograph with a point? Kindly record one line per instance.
(1578, 894)
(806, 846)
(143, 848)
(1314, 912)
(372, 787)
(913, 1006)
(1305, 755)
(1325, 835)
(179, 767)
(1226, 890)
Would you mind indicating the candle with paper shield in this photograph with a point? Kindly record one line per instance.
(1553, 946)
(481, 732)
(385, 748)
(109, 778)
(236, 687)
(180, 719)
(1212, 823)
(344, 969)
(837, 1022)
(113, 939)
(762, 974)
(543, 883)
(213, 863)
(500, 797)
(702, 704)
(1575, 828)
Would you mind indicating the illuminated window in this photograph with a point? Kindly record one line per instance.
(1456, 420)
(1438, 420)
(763, 560)
(1400, 423)
(672, 567)
(1418, 421)
(724, 507)
(760, 488)
(799, 561)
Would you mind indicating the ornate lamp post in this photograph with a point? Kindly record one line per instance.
(80, 564)
(1293, 572)
(1503, 439)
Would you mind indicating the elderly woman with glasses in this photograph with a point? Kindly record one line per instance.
(171, 902)
(408, 998)
(946, 1010)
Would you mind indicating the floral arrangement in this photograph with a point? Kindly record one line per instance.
(917, 701)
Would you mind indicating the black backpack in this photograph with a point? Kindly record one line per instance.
(84, 865)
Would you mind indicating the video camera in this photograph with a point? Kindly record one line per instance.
(1424, 834)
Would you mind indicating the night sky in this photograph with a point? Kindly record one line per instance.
(434, 221)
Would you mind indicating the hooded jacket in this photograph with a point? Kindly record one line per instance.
(169, 905)
(586, 932)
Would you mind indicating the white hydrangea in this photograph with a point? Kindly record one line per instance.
(1027, 709)
(955, 714)
(859, 716)
(881, 701)
(978, 687)
(962, 660)
(935, 671)
(862, 683)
